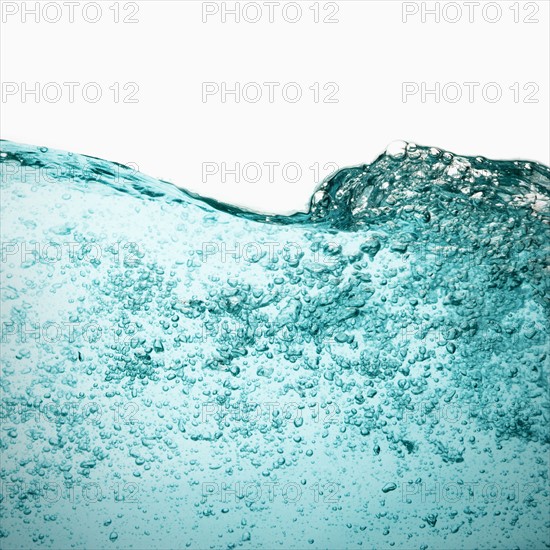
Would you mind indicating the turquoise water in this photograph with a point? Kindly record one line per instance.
(178, 373)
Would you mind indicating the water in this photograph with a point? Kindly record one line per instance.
(178, 373)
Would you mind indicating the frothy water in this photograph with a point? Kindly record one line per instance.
(178, 373)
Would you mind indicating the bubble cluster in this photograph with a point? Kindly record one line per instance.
(179, 373)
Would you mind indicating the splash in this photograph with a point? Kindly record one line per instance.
(180, 373)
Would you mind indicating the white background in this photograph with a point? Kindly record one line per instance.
(170, 52)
